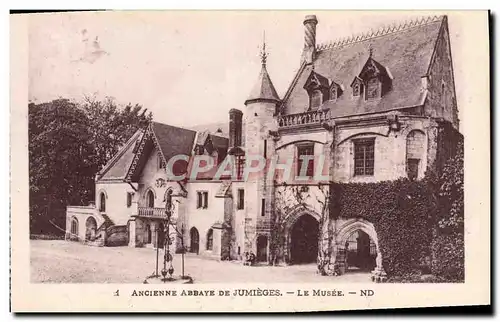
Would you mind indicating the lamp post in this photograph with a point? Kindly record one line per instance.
(167, 274)
(157, 249)
(167, 256)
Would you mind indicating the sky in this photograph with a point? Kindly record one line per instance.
(191, 68)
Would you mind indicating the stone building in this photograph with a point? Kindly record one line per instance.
(364, 109)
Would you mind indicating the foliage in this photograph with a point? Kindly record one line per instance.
(291, 196)
(419, 224)
(111, 126)
(68, 144)
(401, 212)
(448, 243)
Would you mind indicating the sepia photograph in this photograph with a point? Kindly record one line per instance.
(230, 148)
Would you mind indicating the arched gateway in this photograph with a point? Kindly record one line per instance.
(365, 253)
(302, 235)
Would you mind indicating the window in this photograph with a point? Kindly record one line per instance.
(443, 95)
(102, 202)
(263, 207)
(202, 199)
(74, 227)
(150, 199)
(210, 239)
(240, 164)
(241, 199)
(304, 151)
(333, 93)
(412, 168)
(357, 89)
(373, 88)
(415, 149)
(161, 162)
(364, 158)
(129, 199)
(199, 200)
(316, 99)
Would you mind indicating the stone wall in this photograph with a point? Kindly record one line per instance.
(203, 219)
(441, 99)
(116, 200)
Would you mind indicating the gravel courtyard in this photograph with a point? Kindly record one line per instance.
(57, 261)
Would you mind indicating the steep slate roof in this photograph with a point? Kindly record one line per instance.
(173, 140)
(212, 128)
(405, 51)
(117, 167)
(263, 88)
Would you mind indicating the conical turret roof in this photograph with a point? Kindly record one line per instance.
(264, 88)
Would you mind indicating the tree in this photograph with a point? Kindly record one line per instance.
(60, 167)
(448, 244)
(112, 126)
(68, 144)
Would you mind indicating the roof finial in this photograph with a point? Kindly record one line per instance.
(370, 50)
(263, 53)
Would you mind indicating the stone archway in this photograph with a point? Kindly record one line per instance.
(345, 231)
(194, 240)
(300, 246)
(304, 238)
(90, 228)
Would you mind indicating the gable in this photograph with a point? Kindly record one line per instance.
(168, 140)
(439, 103)
(405, 53)
(117, 167)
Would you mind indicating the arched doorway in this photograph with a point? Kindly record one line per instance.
(361, 252)
(210, 239)
(304, 240)
(262, 248)
(150, 199)
(90, 229)
(195, 240)
(357, 247)
(148, 234)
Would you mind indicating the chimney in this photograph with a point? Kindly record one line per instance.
(235, 127)
(309, 51)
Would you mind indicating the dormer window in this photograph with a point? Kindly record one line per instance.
(318, 90)
(335, 91)
(316, 99)
(374, 78)
(373, 88)
(357, 87)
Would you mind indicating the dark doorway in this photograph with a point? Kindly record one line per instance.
(361, 252)
(195, 241)
(90, 229)
(148, 234)
(262, 248)
(304, 243)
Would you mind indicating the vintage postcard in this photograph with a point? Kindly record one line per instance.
(249, 161)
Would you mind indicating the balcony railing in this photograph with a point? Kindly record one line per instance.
(152, 212)
(301, 119)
